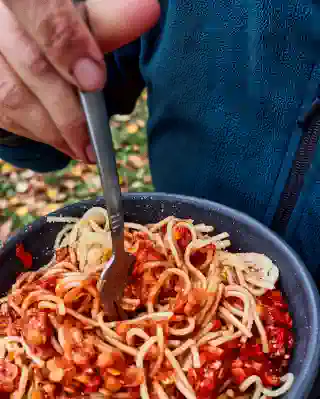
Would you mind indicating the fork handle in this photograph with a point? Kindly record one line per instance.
(101, 138)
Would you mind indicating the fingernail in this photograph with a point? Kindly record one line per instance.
(89, 74)
(90, 154)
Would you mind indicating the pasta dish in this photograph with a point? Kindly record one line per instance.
(196, 321)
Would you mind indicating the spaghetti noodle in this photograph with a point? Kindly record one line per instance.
(201, 322)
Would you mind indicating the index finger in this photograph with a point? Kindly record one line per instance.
(118, 22)
(64, 38)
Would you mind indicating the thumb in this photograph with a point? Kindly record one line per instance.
(116, 23)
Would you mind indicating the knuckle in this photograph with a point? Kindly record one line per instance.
(34, 60)
(6, 122)
(12, 95)
(74, 129)
(61, 30)
(56, 141)
(37, 63)
(10, 125)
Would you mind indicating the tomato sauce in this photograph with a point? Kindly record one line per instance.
(236, 361)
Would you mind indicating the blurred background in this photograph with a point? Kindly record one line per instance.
(26, 195)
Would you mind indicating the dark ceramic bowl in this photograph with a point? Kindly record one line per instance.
(246, 235)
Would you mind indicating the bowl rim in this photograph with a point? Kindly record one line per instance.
(312, 357)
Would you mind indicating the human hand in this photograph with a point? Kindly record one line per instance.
(47, 50)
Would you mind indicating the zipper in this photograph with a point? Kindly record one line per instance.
(300, 166)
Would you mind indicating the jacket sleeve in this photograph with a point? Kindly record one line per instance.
(125, 82)
(123, 87)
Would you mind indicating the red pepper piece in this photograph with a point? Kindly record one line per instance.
(25, 257)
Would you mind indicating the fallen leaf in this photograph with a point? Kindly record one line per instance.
(39, 206)
(22, 187)
(121, 118)
(14, 177)
(37, 185)
(5, 230)
(141, 123)
(4, 203)
(29, 200)
(22, 211)
(86, 177)
(120, 162)
(96, 181)
(14, 201)
(7, 169)
(136, 161)
(69, 184)
(27, 174)
(147, 179)
(137, 185)
(132, 128)
(61, 197)
(52, 193)
(115, 124)
(93, 168)
(77, 170)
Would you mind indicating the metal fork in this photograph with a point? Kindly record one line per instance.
(116, 271)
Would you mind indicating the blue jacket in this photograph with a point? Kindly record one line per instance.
(230, 83)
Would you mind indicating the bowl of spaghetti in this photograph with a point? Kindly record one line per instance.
(217, 307)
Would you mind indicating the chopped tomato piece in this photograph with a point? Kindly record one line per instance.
(196, 297)
(114, 359)
(238, 375)
(48, 283)
(36, 327)
(275, 299)
(93, 384)
(290, 340)
(183, 236)
(166, 376)
(45, 351)
(198, 257)
(122, 328)
(133, 377)
(280, 340)
(192, 377)
(210, 354)
(61, 254)
(272, 315)
(25, 257)
(112, 383)
(8, 374)
(134, 393)
(180, 302)
(146, 252)
(270, 380)
(231, 345)
(216, 325)
(251, 351)
(207, 386)
(237, 363)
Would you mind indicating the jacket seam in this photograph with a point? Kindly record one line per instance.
(310, 181)
(294, 141)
